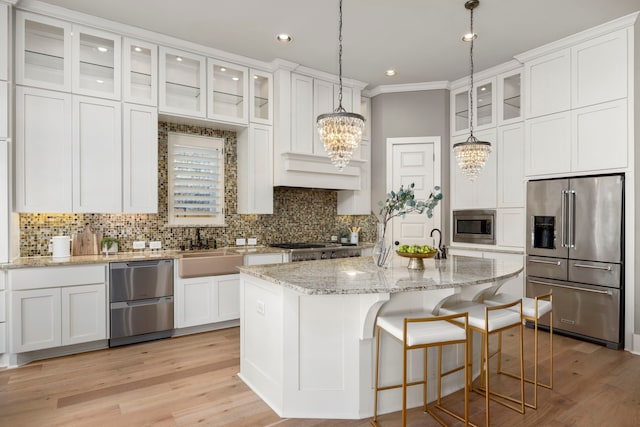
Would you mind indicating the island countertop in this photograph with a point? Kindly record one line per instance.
(362, 276)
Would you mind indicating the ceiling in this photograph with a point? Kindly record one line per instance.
(421, 39)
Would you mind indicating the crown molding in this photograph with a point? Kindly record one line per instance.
(408, 87)
(599, 30)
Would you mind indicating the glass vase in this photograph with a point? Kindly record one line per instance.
(382, 250)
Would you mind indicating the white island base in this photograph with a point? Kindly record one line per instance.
(313, 356)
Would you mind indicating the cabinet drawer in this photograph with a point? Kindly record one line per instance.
(47, 277)
(552, 268)
(595, 273)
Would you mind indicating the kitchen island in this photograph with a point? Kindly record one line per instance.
(307, 329)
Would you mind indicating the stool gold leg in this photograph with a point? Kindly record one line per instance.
(404, 386)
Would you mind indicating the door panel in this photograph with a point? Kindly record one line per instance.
(545, 225)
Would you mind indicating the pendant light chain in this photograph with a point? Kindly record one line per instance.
(471, 76)
(340, 108)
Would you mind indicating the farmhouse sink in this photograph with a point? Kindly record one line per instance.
(201, 264)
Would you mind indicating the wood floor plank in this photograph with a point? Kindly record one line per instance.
(192, 380)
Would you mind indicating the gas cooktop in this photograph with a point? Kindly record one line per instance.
(305, 245)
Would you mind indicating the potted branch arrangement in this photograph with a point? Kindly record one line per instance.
(400, 203)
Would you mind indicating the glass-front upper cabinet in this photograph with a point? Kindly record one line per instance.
(43, 52)
(484, 104)
(460, 111)
(261, 95)
(182, 84)
(96, 59)
(140, 76)
(509, 97)
(228, 92)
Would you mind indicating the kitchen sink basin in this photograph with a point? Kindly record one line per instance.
(201, 264)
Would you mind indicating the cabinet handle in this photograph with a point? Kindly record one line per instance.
(571, 287)
(539, 261)
(595, 267)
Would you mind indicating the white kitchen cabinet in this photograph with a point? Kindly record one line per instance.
(203, 300)
(484, 107)
(509, 97)
(510, 227)
(255, 170)
(510, 155)
(322, 104)
(43, 151)
(140, 72)
(4, 41)
(54, 306)
(358, 202)
(599, 137)
(547, 87)
(228, 92)
(347, 99)
(548, 144)
(261, 96)
(43, 52)
(302, 118)
(482, 192)
(599, 70)
(140, 159)
(4, 109)
(365, 110)
(182, 83)
(460, 111)
(97, 155)
(5, 210)
(3, 338)
(262, 259)
(96, 63)
(84, 314)
(36, 319)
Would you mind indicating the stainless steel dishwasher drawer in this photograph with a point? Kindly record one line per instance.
(129, 318)
(139, 280)
(586, 310)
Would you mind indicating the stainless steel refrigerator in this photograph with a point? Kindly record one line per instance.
(575, 248)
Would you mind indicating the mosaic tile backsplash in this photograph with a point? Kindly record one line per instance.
(299, 214)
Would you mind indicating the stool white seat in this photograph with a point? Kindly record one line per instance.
(532, 310)
(488, 320)
(421, 331)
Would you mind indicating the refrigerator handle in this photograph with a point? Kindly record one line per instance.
(563, 218)
(572, 219)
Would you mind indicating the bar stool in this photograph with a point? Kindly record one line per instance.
(488, 320)
(532, 310)
(422, 331)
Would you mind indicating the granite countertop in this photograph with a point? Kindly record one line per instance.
(361, 276)
(47, 261)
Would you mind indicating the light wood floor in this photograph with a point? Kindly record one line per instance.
(192, 381)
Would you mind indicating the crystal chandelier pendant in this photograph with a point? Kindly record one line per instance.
(471, 156)
(341, 133)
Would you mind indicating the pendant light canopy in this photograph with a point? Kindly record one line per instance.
(472, 154)
(340, 131)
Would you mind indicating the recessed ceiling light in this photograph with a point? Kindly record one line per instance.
(137, 49)
(390, 73)
(469, 36)
(179, 58)
(102, 49)
(235, 79)
(284, 38)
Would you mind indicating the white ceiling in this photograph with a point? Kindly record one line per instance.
(418, 38)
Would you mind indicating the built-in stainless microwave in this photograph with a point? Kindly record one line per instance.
(474, 226)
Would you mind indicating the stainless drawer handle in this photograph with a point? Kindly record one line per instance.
(595, 267)
(538, 261)
(571, 287)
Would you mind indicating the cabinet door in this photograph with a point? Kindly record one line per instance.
(322, 104)
(4, 109)
(84, 314)
(97, 154)
(482, 192)
(600, 70)
(303, 127)
(194, 302)
(228, 289)
(358, 202)
(140, 159)
(43, 52)
(5, 212)
(4, 42)
(510, 226)
(548, 144)
(228, 92)
(510, 151)
(484, 108)
(599, 137)
(365, 110)
(35, 320)
(509, 97)
(140, 72)
(3, 338)
(347, 99)
(182, 81)
(255, 170)
(43, 151)
(548, 84)
(261, 96)
(459, 111)
(96, 65)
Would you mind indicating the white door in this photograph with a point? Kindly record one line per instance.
(414, 160)
(35, 323)
(84, 317)
(228, 288)
(194, 302)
